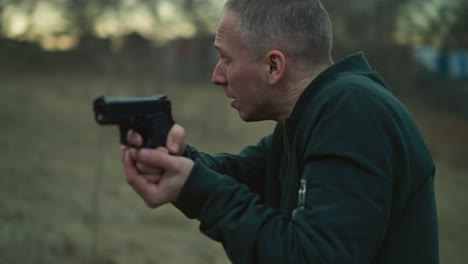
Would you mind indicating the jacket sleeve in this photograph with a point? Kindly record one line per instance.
(247, 167)
(343, 207)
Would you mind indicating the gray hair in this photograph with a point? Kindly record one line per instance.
(299, 28)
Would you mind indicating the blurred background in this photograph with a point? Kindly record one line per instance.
(63, 197)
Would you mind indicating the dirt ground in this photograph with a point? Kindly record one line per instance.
(63, 197)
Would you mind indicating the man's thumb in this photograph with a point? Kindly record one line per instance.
(158, 158)
(176, 140)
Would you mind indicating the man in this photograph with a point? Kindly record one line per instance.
(345, 177)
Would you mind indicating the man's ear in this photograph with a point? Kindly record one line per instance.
(276, 63)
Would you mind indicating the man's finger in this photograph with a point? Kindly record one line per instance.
(163, 150)
(175, 141)
(133, 152)
(134, 138)
(158, 159)
(151, 204)
(139, 183)
(123, 149)
(153, 178)
(145, 169)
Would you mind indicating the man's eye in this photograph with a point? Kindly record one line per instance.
(224, 59)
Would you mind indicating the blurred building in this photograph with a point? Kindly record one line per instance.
(451, 63)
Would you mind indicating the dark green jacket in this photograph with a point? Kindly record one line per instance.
(347, 179)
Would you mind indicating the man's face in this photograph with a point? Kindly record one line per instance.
(244, 80)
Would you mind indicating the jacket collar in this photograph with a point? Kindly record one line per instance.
(356, 63)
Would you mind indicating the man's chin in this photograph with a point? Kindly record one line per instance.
(248, 117)
(244, 116)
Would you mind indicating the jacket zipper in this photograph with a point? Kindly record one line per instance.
(285, 141)
(303, 184)
(284, 163)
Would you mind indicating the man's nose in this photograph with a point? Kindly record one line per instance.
(219, 77)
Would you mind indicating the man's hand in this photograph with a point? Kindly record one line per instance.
(166, 178)
(175, 141)
(154, 174)
(175, 144)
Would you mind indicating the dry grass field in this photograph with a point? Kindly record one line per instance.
(63, 197)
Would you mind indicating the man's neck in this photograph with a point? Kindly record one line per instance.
(295, 87)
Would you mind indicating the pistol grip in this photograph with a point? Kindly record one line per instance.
(154, 134)
(123, 130)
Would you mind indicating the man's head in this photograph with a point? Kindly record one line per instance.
(299, 28)
(262, 44)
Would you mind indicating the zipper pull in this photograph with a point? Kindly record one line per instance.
(301, 197)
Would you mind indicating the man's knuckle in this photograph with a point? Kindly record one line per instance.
(130, 181)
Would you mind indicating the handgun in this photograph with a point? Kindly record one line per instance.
(149, 116)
